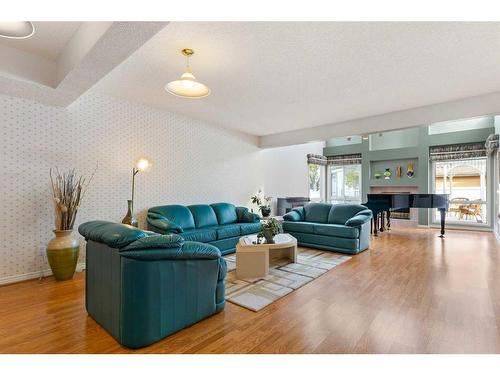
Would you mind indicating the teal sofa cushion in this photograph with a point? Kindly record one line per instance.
(340, 213)
(300, 226)
(203, 215)
(226, 213)
(227, 245)
(177, 214)
(200, 235)
(227, 231)
(317, 212)
(249, 228)
(336, 230)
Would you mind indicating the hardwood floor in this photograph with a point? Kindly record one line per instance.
(412, 292)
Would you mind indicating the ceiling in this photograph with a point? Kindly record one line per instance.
(269, 78)
(287, 82)
(48, 41)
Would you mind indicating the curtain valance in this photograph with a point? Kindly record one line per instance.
(457, 151)
(316, 159)
(344, 159)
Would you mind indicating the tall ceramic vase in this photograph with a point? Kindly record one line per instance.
(62, 253)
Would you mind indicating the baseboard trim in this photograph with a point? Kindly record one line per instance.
(34, 275)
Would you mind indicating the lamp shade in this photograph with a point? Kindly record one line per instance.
(187, 87)
(16, 30)
(142, 164)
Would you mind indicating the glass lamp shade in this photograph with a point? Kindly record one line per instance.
(187, 87)
(16, 30)
(142, 164)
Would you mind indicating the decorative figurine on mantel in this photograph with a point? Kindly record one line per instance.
(387, 174)
(410, 171)
(398, 171)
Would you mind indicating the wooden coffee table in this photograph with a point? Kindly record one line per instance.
(252, 260)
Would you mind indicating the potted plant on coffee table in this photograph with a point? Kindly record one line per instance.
(269, 229)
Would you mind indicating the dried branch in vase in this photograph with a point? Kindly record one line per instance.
(68, 191)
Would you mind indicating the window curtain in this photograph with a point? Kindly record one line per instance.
(344, 159)
(457, 152)
(316, 159)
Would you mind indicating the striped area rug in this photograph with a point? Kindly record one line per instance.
(283, 278)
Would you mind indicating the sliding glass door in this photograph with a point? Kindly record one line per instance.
(345, 183)
(466, 182)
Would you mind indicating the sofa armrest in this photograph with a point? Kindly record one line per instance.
(156, 241)
(160, 222)
(189, 251)
(114, 235)
(358, 220)
(366, 212)
(251, 217)
(245, 216)
(297, 214)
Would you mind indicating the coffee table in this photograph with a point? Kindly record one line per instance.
(252, 260)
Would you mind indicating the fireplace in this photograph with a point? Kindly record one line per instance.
(406, 217)
(284, 205)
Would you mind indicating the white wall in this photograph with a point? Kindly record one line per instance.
(284, 170)
(193, 163)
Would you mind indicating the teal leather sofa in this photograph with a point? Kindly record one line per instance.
(337, 227)
(218, 224)
(141, 286)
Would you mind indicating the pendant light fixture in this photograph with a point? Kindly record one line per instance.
(187, 86)
(16, 30)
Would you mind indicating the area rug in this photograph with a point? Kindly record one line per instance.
(284, 277)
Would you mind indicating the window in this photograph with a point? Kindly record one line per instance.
(345, 183)
(316, 165)
(461, 172)
(315, 182)
(466, 183)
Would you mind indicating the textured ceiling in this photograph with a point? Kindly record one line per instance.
(48, 41)
(269, 78)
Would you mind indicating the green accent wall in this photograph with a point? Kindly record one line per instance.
(393, 156)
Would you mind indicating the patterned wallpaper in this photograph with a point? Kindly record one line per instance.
(193, 162)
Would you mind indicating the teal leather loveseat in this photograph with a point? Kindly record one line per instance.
(218, 224)
(141, 286)
(337, 227)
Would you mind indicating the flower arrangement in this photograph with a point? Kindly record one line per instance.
(68, 191)
(263, 202)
